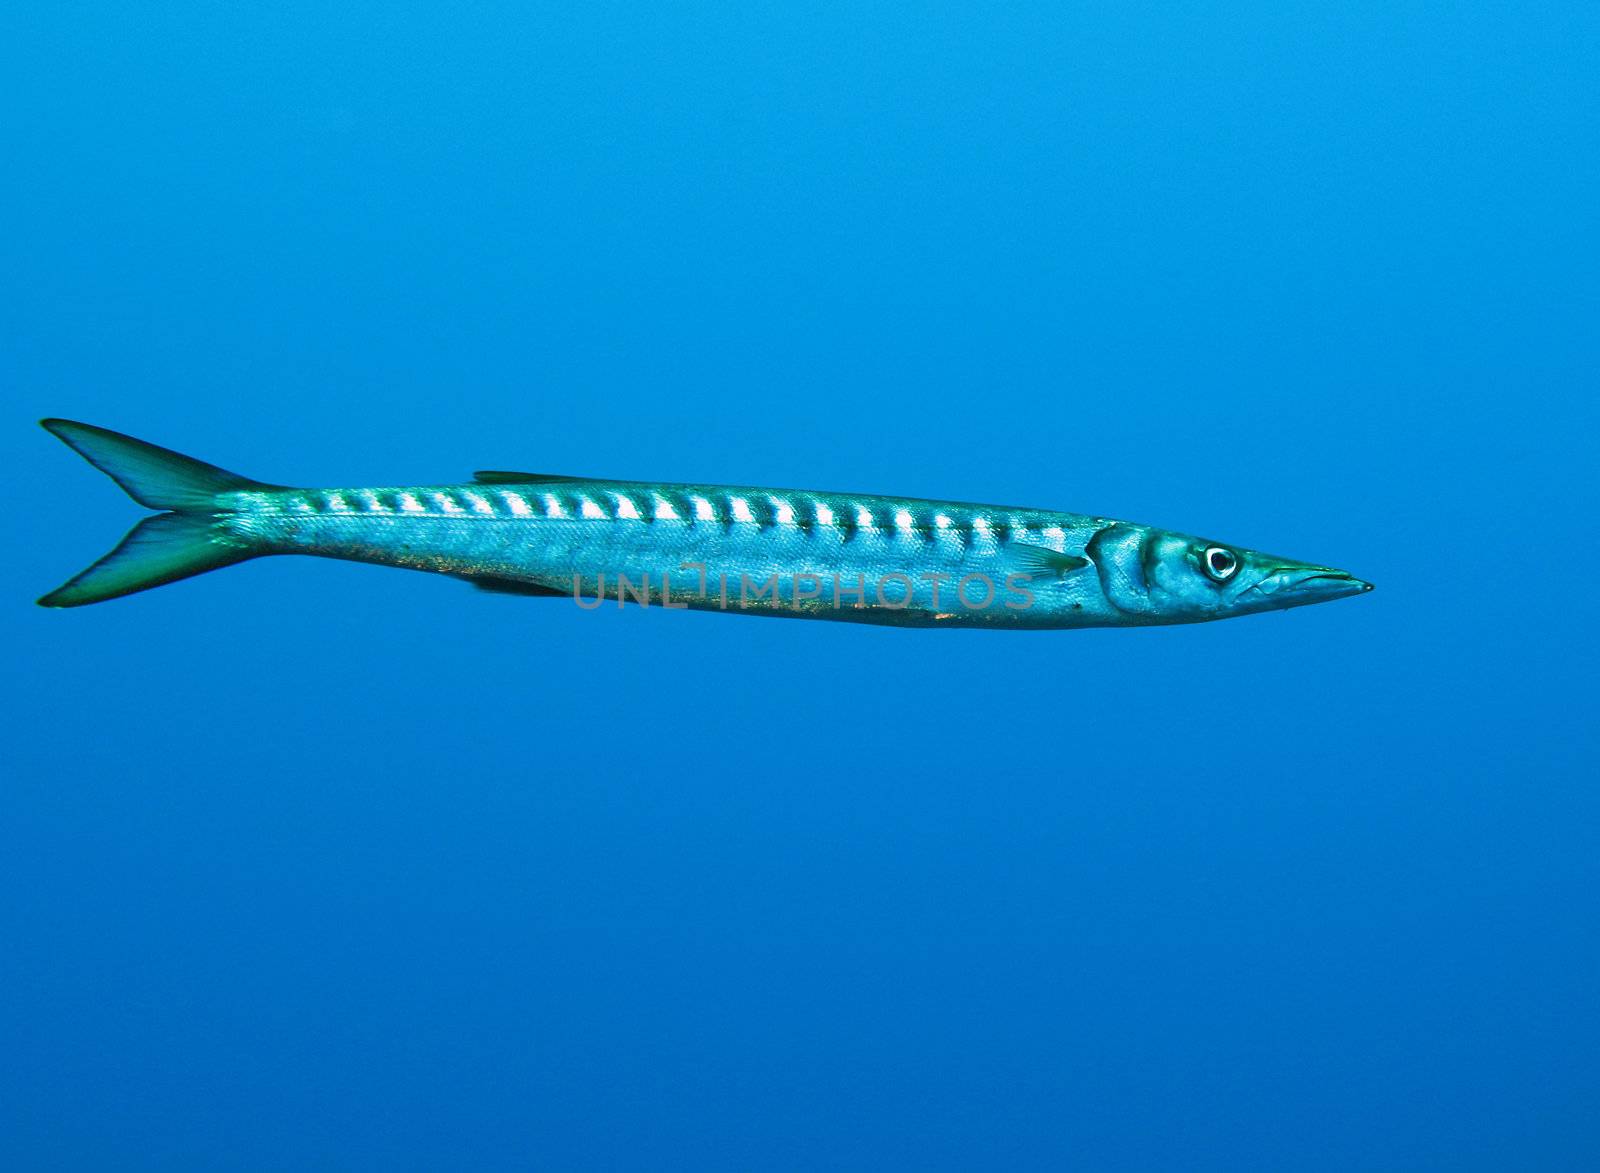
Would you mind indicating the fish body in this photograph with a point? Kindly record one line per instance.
(744, 549)
(760, 550)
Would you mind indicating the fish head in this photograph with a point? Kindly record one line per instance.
(1160, 576)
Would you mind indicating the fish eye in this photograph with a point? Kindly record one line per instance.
(1220, 562)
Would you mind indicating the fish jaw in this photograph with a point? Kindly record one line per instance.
(1300, 585)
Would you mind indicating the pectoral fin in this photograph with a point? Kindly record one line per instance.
(1042, 560)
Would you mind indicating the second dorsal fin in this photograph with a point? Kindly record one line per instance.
(494, 476)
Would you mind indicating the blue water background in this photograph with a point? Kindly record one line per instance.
(313, 865)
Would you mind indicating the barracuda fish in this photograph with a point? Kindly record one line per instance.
(843, 556)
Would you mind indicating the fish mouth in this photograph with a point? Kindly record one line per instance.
(1290, 586)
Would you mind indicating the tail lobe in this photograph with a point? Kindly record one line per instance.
(155, 477)
(182, 542)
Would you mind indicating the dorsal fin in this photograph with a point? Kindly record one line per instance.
(494, 476)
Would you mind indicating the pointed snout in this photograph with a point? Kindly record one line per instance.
(1333, 584)
(1308, 584)
(1295, 585)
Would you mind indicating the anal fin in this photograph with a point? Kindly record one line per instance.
(511, 586)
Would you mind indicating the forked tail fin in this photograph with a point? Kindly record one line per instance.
(182, 542)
